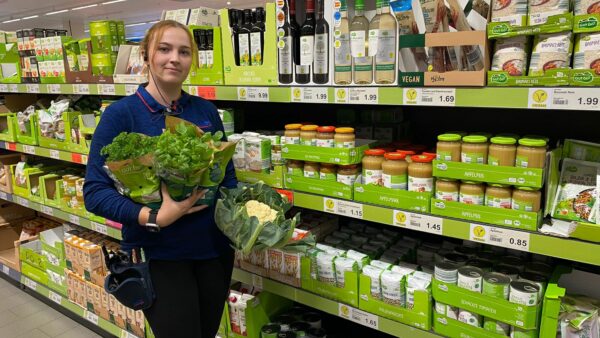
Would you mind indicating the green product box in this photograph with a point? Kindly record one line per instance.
(551, 78)
(100, 34)
(53, 242)
(339, 156)
(523, 177)
(50, 263)
(81, 132)
(265, 74)
(453, 328)
(348, 294)
(66, 206)
(102, 64)
(273, 179)
(32, 176)
(8, 126)
(83, 56)
(510, 218)
(586, 23)
(31, 253)
(10, 62)
(34, 274)
(258, 312)
(555, 24)
(394, 198)
(114, 36)
(213, 74)
(61, 289)
(121, 33)
(317, 186)
(586, 231)
(28, 133)
(49, 187)
(53, 143)
(525, 317)
(222, 332)
(420, 316)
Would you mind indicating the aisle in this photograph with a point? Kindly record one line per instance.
(22, 315)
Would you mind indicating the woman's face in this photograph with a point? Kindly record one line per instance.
(172, 58)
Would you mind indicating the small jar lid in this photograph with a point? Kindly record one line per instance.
(472, 182)
(421, 158)
(309, 127)
(429, 154)
(375, 152)
(532, 142)
(407, 152)
(326, 129)
(527, 188)
(344, 130)
(395, 156)
(449, 137)
(503, 140)
(475, 139)
(293, 126)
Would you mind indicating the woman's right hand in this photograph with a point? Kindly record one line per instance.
(170, 210)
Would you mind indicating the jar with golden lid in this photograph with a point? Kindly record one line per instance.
(395, 171)
(420, 174)
(308, 135)
(347, 174)
(292, 133)
(325, 136)
(531, 153)
(371, 166)
(344, 137)
(328, 172)
(474, 149)
(447, 189)
(472, 193)
(502, 151)
(311, 170)
(526, 199)
(498, 196)
(448, 147)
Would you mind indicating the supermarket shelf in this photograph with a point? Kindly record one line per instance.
(570, 249)
(46, 152)
(105, 229)
(573, 98)
(76, 309)
(10, 272)
(330, 306)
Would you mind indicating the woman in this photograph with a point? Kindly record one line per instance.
(190, 259)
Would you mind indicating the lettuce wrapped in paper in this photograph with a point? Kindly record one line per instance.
(249, 233)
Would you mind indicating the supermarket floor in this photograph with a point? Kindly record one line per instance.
(22, 315)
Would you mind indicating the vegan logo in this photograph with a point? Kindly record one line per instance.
(411, 94)
(329, 204)
(583, 77)
(242, 92)
(297, 93)
(540, 96)
(341, 94)
(590, 22)
(479, 231)
(499, 78)
(400, 217)
(500, 29)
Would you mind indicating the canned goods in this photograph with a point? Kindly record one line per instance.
(285, 321)
(516, 332)
(509, 271)
(446, 310)
(439, 255)
(523, 293)
(470, 318)
(536, 279)
(270, 330)
(513, 261)
(495, 326)
(496, 285)
(313, 319)
(470, 278)
(456, 258)
(286, 334)
(317, 333)
(446, 272)
(539, 268)
(465, 251)
(300, 329)
(484, 265)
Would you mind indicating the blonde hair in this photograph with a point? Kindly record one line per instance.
(156, 32)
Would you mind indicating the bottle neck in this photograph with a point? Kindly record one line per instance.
(385, 8)
(310, 7)
(359, 12)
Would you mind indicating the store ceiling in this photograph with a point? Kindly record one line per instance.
(130, 11)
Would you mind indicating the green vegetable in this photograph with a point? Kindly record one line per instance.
(127, 146)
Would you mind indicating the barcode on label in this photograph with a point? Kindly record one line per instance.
(560, 102)
(30, 284)
(5, 269)
(47, 210)
(91, 317)
(415, 223)
(54, 297)
(427, 99)
(495, 239)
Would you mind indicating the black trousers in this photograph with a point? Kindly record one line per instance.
(190, 296)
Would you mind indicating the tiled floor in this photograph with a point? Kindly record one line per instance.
(24, 316)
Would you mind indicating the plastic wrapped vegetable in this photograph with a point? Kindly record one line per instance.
(253, 218)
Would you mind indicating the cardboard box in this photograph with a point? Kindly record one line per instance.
(203, 16)
(9, 245)
(129, 65)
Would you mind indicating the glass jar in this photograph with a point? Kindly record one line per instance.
(472, 193)
(420, 174)
(526, 199)
(292, 133)
(448, 147)
(308, 135)
(474, 149)
(502, 151)
(531, 153)
(498, 196)
(311, 170)
(344, 137)
(328, 172)
(395, 170)
(295, 168)
(371, 166)
(276, 158)
(325, 137)
(447, 189)
(347, 174)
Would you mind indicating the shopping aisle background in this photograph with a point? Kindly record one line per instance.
(22, 315)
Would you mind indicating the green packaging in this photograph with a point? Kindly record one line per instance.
(102, 65)
(83, 57)
(73, 54)
(100, 33)
(121, 32)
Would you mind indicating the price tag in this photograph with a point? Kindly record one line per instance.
(367, 95)
(126, 334)
(30, 284)
(438, 97)
(74, 219)
(3, 195)
(106, 89)
(506, 238)
(47, 210)
(310, 94)
(341, 95)
(257, 281)
(79, 158)
(55, 297)
(29, 149)
(101, 228)
(5, 269)
(3, 88)
(55, 154)
(54, 89)
(576, 98)
(22, 202)
(81, 89)
(33, 88)
(130, 89)
(343, 208)
(430, 224)
(13, 88)
(258, 94)
(358, 316)
(11, 146)
(192, 90)
(539, 98)
(91, 317)
(207, 93)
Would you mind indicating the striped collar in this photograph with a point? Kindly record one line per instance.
(153, 105)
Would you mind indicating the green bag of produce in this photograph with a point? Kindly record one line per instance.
(253, 218)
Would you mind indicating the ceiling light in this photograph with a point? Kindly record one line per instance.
(57, 12)
(228, 3)
(30, 17)
(112, 2)
(13, 20)
(84, 7)
(136, 24)
(153, 22)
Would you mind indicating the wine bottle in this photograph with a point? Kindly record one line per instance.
(363, 63)
(342, 56)
(386, 58)
(321, 61)
(234, 23)
(295, 29)
(285, 47)
(307, 44)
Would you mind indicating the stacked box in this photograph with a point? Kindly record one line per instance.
(85, 258)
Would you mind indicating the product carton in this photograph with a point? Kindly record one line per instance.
(284, 266)
(273, 179)
(208, 69)
(179, 15)
(348, 294)
(31, 253)
(48, 190)
(33, 273)
(257, 313)
(10, 63)
(555, 24)
(203, 16)
(340, 156)
(84, 72)
(52, 241)
(453, 328)
(524, 177)
(400, 199)
(317, 186)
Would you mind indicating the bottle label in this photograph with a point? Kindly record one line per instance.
(291, 140)
(443, 156)
(471, 199)
(419, 184)
(321, 54)
(497, 202)
(478, 158)
(210, 58)
(447, 196)
(395, 181)
(492, 160)
(201, 59)
(373, 39)
(363, 64)
(347, 144)
(307, 45)
(522, 205)
(285, 55)
(244, 49)
(357, 44)
(372, 176)
(295, 171)
(522, 161)
(302, 69)
(328, 143)
(386, 47)
(255, 44)
(346, 179)
(343, 58)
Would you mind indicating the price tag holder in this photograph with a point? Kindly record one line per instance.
(22, 202)
(74, 219)
(207, 93)
(3, 195)
(33, 88)
(506, 238)
(106, 89)
(101, 228)
(55, 297)
(260, 94)
(358, 316)
(438, 97)
(401, 218)
(81, 89)
(47, 210)
(30, 284)
(55, 154)
(5, 269)
(130, 89)
(13, 88)
(92, 317)
(29, 149)
(310, 94)
(576, 98)
(54, 89)
(343, 208)
(3, 88)
(257, 281)
(366, 95)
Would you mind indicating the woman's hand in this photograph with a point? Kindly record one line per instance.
(170, 210)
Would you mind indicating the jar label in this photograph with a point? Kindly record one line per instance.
(346, 179)
(522, 205)
(395, 181)
(478, 158)
(291, 140)
(328, 143)
(310, 174)
(327, 176)
(498, 202)
(295, 171)
(443, 155)
(419, 184)
(276, 157)
(522, 161)
(471, 199)
(309, 142)
(347, 144)
(372, 176)
(447, 196)
(493, 160)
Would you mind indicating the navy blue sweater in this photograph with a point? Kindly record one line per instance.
(193, 236)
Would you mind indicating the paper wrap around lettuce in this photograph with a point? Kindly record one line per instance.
(183, 156)
(248, 233)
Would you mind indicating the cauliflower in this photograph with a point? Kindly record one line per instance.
(263, 212)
